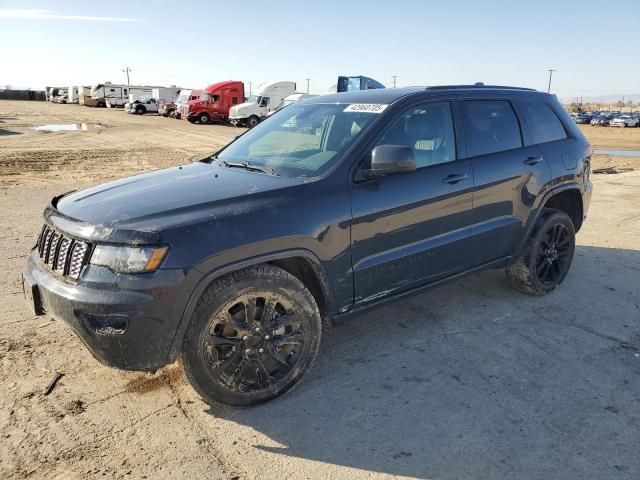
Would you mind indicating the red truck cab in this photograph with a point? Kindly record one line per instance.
(214, 102)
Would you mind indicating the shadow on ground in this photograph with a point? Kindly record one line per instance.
(475, 380)
(5, 132)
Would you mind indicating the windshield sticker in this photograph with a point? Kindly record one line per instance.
(366, 107)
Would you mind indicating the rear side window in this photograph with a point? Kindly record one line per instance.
(491, 126)
(542, 122)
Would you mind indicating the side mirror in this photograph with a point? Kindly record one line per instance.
(391, 160)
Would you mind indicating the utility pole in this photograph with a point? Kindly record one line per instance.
(127, 70)
(394, 80)
(249, 88)
(551, 70)
(307, 79)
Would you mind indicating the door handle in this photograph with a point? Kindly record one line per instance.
(453, 178)
(533, 160)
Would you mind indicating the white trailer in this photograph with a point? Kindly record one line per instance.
(258, 106)
(72, 94)
(109, 94)
(165, 95)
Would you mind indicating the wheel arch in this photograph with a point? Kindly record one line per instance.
(563, 197)
(302, 264)
(568, 200)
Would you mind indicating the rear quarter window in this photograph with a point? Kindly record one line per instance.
(542, 122)
(491, 126)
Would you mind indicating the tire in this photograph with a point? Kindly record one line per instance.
(203, 118)
(547, 256)
(140, 111)
(252, 337)
(171, 114)
(252, 121)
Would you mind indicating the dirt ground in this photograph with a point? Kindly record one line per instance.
(470, 380)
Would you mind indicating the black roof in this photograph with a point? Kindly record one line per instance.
(390, 95)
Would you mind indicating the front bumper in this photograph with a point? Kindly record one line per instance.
(126, 321)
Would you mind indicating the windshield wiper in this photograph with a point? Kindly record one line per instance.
(247, 166)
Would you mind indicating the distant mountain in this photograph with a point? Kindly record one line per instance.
(608, 99)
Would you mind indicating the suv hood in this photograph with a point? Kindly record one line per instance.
(153, 201)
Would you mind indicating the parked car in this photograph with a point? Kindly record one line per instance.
(624, 121)
(582, 118)
(329, 207)
(142, 105)
(601, 120)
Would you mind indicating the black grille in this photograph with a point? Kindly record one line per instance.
(61, 254)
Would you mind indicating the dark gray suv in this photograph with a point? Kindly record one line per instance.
(331, 206)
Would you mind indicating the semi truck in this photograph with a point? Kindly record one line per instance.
(258, 106)
(356, 82)
(173, 109)
(214, 102)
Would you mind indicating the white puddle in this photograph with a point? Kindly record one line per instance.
(66, 127)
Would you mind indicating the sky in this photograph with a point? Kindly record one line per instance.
(593, 45)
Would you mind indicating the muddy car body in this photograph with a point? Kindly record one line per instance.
(232, 263)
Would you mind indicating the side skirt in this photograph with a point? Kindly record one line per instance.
(378, 302)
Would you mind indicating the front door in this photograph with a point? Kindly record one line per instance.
(413, 228)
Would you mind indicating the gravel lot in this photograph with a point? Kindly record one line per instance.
(470, 380)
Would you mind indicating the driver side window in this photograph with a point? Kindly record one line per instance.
(428, 130)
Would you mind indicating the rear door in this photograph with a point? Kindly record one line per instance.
(413, 228)
(508, 176)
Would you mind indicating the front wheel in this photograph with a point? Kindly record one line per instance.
(252, 121)
(252, 337)
(203, 118)
(140, 111)
(547, 256)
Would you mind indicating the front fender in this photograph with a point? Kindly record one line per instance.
(221, 270)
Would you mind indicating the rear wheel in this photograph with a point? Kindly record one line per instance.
(252, 337)
(547, 256)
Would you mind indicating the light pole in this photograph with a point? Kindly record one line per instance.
(307, 79)
(551, 70)
(249, 88)
(127, 70)
(394, 80)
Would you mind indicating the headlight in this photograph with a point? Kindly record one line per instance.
(128, 259)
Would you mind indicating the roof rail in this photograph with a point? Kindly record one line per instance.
(476, 85)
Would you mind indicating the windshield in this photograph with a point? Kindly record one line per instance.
(284, 103)
(183, 97)
(253, 99)
(299, 141)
